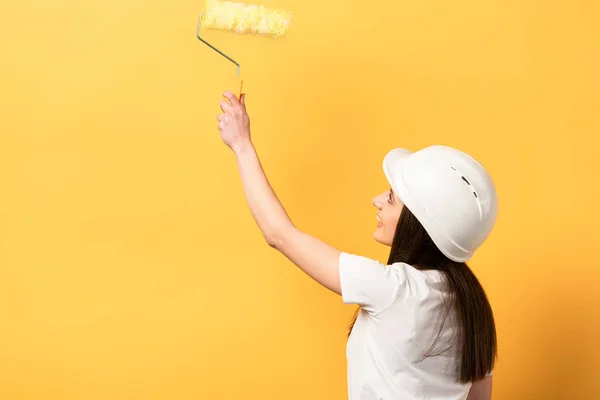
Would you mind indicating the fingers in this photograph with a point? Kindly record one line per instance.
(226, 107)
(232, 107)
(232, 98)
(222, 118)
(234, 104)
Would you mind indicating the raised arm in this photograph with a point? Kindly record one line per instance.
(315, 257)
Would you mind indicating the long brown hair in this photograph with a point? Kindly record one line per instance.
(476, 335)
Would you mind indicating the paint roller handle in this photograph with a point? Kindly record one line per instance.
(241, 92)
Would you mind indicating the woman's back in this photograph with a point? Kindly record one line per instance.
(404, 316)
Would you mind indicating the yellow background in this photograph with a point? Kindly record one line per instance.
(130, 265)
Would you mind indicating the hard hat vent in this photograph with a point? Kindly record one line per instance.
(472, 191)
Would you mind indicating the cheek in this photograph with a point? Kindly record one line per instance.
(391, 223)
(390, 228)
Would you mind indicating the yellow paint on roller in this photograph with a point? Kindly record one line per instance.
(246, 19)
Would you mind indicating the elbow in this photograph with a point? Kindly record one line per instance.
(270, 240)
(277, 237)
(273, 241)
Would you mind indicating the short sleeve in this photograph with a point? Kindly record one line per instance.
(368, 283)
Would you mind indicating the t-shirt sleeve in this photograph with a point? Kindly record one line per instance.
(368, 283)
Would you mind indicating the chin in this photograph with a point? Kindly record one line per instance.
(377, 235)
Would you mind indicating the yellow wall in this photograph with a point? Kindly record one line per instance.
(130, 265)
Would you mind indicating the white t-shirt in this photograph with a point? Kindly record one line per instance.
(400, 317)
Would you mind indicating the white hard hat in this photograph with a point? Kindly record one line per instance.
(450, 193)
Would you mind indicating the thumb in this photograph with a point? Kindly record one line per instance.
(243, 99)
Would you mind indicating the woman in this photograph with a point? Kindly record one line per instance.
(424, 328)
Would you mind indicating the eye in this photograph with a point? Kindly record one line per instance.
(390, 198)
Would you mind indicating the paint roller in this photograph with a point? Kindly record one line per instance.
(244, 19)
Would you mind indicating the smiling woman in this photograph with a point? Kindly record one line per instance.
(424, 327)
(389, 206)
(125, 269)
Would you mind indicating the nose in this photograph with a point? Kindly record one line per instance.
(377, 202)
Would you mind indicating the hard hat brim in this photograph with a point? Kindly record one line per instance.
(391, 162)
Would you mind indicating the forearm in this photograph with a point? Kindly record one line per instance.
(267, 210)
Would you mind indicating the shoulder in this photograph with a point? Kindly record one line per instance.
(375, 285)
(365, 265)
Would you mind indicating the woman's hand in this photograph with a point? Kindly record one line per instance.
(234, 123)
